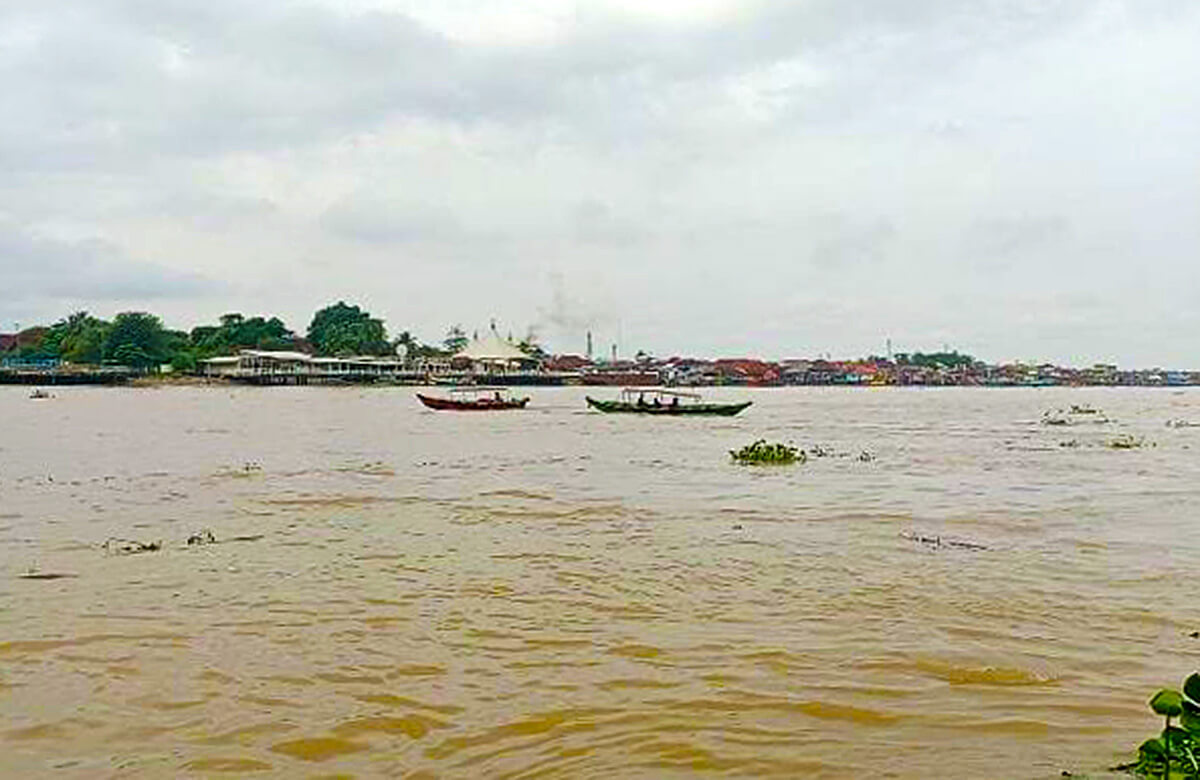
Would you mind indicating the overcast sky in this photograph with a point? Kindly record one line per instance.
(1019, 179)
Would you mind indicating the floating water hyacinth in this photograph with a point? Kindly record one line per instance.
(1127, 441)
(762, 452)
(1176, 753)
(1075, 415)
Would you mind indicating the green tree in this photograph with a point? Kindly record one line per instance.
(531, 347)
(415, 349)
(935, 359)
(84, 338)
(32, 344)
(342, 329)
(238, 332)
(205, 338)
(268, 334)
(138, 339)
(129, 354)
(51, 344)
(77, 338)
(183, 362)
(456, 339)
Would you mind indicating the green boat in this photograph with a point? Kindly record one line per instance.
(641, 400)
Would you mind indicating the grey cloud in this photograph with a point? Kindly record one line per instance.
(844, 241)
(1009, 237)
(200, 79)
(619, 150)
(211, 210)
(90, 270)
(125, 75)
(379, 219)
(594, 222)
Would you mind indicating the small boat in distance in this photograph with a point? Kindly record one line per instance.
(474, 399)
(668, 402)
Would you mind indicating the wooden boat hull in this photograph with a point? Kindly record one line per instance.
(480, 405)
(683, 410)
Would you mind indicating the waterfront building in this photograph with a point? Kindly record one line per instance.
(284, 367)
(493, 355)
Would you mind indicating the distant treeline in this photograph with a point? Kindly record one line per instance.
(952, 359)
(140, 340)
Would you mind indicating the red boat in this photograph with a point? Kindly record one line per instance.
(489, 399)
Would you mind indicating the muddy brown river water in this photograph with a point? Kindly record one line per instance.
(557, 593)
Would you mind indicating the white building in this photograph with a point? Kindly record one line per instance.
(492, 354)
(250, 363)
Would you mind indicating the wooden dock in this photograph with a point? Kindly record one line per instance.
(57, 376)
(278, 367)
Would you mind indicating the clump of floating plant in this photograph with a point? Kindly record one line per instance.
(1075, 415)
(115, 546)
(1175, 752)
(1128, 441)
(762, 452)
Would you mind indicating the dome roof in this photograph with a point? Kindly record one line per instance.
(491, 347)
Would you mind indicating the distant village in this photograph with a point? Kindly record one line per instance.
(346, 345)
(916, 369)
(870, 372)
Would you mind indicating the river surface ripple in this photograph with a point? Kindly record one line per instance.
(557, 593)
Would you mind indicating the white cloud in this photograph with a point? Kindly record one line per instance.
(728, 174)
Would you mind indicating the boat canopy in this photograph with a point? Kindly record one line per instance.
(659, 391)
(479, 389)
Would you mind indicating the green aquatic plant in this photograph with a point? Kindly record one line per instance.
(1173, 754)
(762, 452)
(1127, 441)
(116, 546)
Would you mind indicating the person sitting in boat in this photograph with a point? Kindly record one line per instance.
(497, 397)
(641, 400)
(675, 402)
(657, 402)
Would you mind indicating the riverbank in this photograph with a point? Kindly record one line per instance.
(191, 380)
(175, 380)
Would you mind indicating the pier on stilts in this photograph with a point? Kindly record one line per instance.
(65, 376)
(263, 367)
